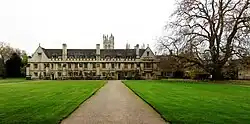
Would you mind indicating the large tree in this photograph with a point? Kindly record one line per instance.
(211, 32)
(13, 66)
(6, 53)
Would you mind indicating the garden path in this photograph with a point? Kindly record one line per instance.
(114, 104)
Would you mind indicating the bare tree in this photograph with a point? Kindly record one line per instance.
(210, 31)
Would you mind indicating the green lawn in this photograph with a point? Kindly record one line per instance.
(42, 102)
(196, 102)
(12, 80)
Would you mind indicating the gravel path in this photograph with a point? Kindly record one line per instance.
(114, 104)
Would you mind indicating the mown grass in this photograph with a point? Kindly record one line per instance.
(12, 80)
(193, 103)
(234, 82)
(42, 102)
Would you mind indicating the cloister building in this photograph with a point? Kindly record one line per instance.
(107, 62)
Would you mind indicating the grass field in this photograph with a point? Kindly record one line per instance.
(42, 102)
(13, 80)
(193, 103)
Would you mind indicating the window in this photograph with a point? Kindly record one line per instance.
(35, 66)
(94, 74)
(75, 73)
(44, 73)
(103, 65)
(70, 73)
(147, 53)
(76, 65)
(85, 73)
(138, 65)
(36, 74)
(80, 65)
(112, 65)
(126, 74)
(69, 65)
(85, 65)
(80, 73)
(107, 57)
(93, 65)
(132, 65)
(44, 65)
(125, 65)
(148, 65)
(64, 65)
(119, 65)
(39, 54)
(113, 74)
(103, 73)
(59, 65)
(52, 65)
(59, 73)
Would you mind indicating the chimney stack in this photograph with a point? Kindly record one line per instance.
(137, 51)
(98, 52)
(64, 51)
(97, 49)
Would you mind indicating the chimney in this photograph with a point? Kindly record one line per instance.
(97, 49)
(64, 51)
(137, 51)
(127, 46)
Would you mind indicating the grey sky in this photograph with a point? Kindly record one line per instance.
(81, 23)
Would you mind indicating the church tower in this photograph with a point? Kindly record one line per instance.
(108, 42)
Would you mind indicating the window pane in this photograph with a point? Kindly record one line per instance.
(35, 66)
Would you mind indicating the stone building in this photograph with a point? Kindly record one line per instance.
(101, 63)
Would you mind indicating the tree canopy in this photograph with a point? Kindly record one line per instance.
(208, 33)
(12, 61)
(13, 66)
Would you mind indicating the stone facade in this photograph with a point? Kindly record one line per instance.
(107, 62)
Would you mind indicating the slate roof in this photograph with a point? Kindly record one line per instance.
(90, 53)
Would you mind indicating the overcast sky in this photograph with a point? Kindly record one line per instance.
(81, 23)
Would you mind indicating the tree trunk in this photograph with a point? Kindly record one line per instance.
(217, 74)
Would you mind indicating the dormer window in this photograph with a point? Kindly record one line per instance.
(54, 55)
(107, 57)
(147, 53)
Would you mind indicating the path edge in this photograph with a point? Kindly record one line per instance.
(92, 94)
(168, 122)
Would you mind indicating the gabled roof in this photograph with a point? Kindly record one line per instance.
(90, 53)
